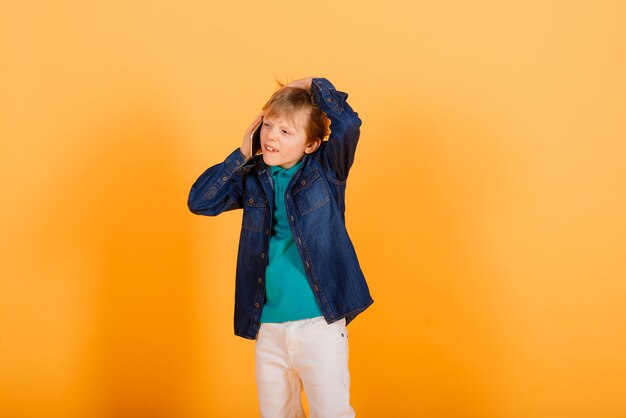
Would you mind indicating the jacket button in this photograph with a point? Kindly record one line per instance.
(307, 263)
(256, 305)
(315, 287)
(267, 231)
(251, 200)
(292, 218)
(262, 255)
(299, 240)
(259, 279)
(224, 178)
(303, 182)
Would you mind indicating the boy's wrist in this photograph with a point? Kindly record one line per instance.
(235, 159)
(245, 152)
(322, 83)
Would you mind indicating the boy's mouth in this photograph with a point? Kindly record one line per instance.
(270, 149)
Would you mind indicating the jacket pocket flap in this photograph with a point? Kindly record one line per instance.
(306, 180)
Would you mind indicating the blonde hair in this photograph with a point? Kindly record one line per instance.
(289, 101)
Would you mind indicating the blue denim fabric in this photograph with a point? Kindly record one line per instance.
(315, 202)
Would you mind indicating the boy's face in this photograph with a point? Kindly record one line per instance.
(283, 141)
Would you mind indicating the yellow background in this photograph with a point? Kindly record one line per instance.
(487, 202)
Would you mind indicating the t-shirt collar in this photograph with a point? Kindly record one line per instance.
(278, 170)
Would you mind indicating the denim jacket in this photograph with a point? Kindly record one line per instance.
(315, 203)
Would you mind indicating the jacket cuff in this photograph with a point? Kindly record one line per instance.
(322, 83)
(326, 96)
(235, 160)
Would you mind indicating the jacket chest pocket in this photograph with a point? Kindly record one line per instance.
(254, 211)
(310, 193)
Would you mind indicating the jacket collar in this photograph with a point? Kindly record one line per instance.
(261, 167)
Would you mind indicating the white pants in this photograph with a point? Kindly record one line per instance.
(307, 352)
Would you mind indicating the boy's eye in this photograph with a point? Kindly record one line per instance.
(284, 131)
(266, 124)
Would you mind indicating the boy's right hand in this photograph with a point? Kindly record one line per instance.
(246, 146)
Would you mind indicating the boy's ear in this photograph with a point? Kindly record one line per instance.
(312, 146)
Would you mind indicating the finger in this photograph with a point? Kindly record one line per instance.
(257, 120)
(255, 124)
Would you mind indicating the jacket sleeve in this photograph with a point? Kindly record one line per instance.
(219, 188)
(338, 152)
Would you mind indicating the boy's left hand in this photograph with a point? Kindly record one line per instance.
(304, 83)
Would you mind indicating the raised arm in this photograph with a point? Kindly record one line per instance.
(345, 124)
(338, 152)
(220, 187)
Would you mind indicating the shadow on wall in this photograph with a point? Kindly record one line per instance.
(132, 217)
(436, 314)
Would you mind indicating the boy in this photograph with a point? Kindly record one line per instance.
(298, 281)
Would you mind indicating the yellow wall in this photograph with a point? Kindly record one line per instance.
(487, 202)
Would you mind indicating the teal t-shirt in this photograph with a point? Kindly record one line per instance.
(289, 295)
